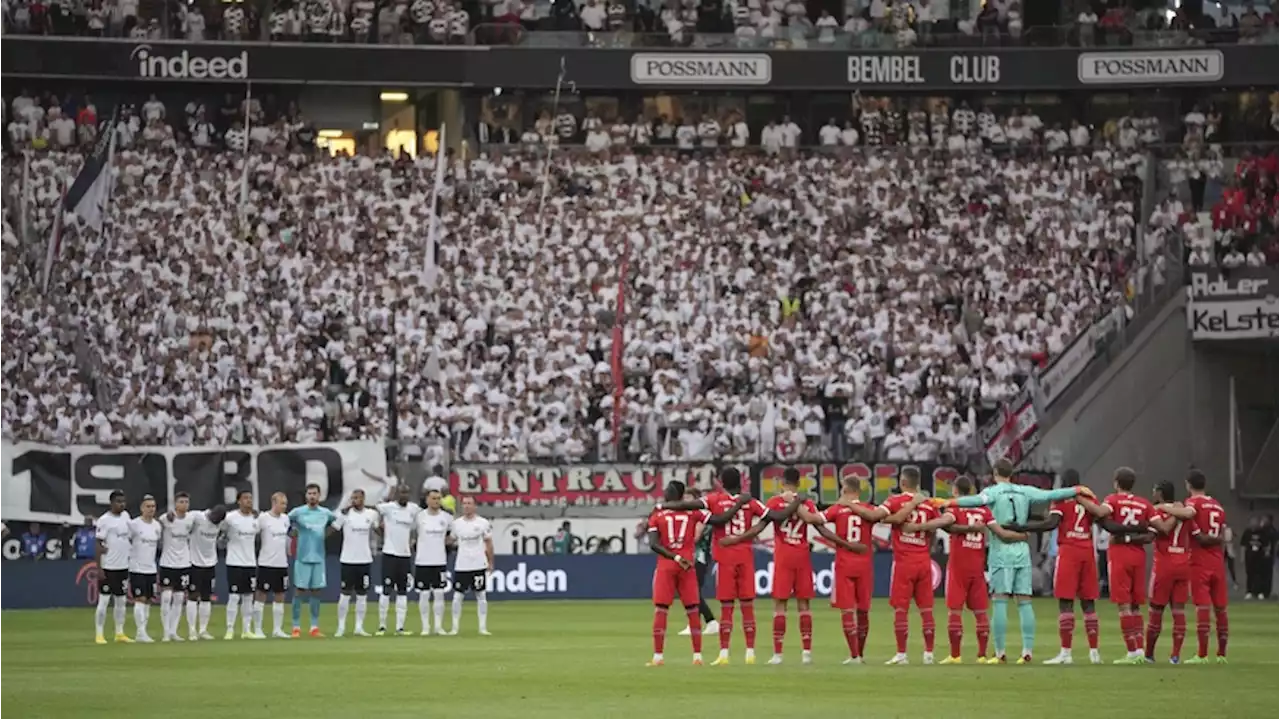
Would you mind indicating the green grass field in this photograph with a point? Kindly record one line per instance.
(570, 660)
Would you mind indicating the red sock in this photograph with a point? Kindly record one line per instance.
(1135, 629)
(1202, 630)
(850, 628)
(900, 629)
(1179, 631)
(695, 627)
(982, 628)
(659, 628)
(864, 628)
(955, 631)
(1126, 630)
(806, 630)
(1091, 629)
(1066, 628)
(928, 628)
(1223, 631)
(749, 623)
(726, 625)
(1155, 624)
(779, 631)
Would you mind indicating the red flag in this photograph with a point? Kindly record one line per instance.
(619, 337)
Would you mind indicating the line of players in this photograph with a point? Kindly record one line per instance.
(258, 552)
(1189, 562)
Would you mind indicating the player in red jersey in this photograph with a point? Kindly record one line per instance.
(967, 566)
(1127, 517)
(1170, 573)
(673, 536)
(854, 566)
(736, 564)
(1075, 573)
(1208, 569)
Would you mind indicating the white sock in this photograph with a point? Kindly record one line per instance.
(258, 607)
(277, 615)
(482, 610)
(246, 617)
(424, 610)
(166, 611)
(193, 620)
(100, 614)
(384, 602)
(119, 608)
(362, 606)
(233, 611)
(457, 610)
(437, 608)
(344, 604)
(140, 608)
(175, 612)
(206, 611)
(402, 611)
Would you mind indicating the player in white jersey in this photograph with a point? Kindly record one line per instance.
(144, 538)
(113, 546)
(471, 568)
(398, 520)
(430, 560)
(273, 566)
(357, 523)
(204, 565)
(175, 565)
(241, 527)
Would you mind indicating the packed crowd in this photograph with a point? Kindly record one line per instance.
(776, 305)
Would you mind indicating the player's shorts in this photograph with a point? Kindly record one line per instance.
(115, 582)
(670, 580)
(736, 581)
(428, 577)
(851, 588)
(396, 573)
(309, 576)
(273, 579)
(1011, 581)
(472, 581)
(1209, 585)
(911, 580)
(1170, 583)
(175, 579)
(143, 586)
(242, 580)
(202, 581)
(792, 579)
(1075, 575)
(355, 577)
(967, 588)
(1126, 580)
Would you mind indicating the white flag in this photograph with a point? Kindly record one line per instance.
(431, 268)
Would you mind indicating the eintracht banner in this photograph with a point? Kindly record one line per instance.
(46, 483)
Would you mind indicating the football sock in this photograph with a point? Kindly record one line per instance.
(806, 630)
(928, 628)
(246, 617)
(659, 628)
(193, 617)
(140, 612)
(482, 612)
(384, 603)
(850, 628)
(424, 610)
(233, 611)
(297, 609)
(1179, 630)
(100, 614)
(999, 623)
(779, 631)
(362, 607)
(1027, 622)
(166, 612)
(402, 611)
(726, 625)
(955, 631)
(900, 629)
(695, 628)
(982, 629)
(864, 628)
(749, 623)
(1223, 633)
(1155, 624)
(315, 611)
(437, 608)
(344, 605)
(1126, 630)
(277, 615)
(206, 612)
(258, 606)
(457, 610)
(1091, 628)
(1066, 628)
(1202, 630)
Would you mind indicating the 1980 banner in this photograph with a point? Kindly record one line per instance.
(639, 485)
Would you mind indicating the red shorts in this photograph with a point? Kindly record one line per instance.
(792, 578)
(1209, 586)
(1170, 582)
(966, 587)
(736, 580)
(851, 588)
(1125, 577)
(1075, 574)
(669, 580)
(911, 579)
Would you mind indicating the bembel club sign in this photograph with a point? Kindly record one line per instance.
(163, 63)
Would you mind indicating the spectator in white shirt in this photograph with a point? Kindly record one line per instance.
(593, 16)
(829, 135)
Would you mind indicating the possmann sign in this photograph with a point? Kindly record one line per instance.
(1104, 68)
(665, 68)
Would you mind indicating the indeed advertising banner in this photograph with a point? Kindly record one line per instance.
(49, 584)
(1232, 304)
(622, 68)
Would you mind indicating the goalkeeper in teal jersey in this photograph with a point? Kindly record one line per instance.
(311, 523)
(1009, 563)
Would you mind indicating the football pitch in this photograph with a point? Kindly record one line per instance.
(570, 660)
